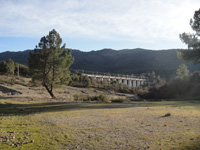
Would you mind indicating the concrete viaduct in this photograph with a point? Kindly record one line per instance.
(127, 80)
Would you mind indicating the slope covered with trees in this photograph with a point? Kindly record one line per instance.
(134, 61)
(184, 86)
(127, 61)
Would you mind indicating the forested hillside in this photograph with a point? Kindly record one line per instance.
(19, 57)
(134, 61)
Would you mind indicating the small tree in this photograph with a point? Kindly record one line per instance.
(182, 71)
(23, 70)
(87, 81)
(50, 61)
(10, 66)
(3, 67)
(7, 67)
(192, 40)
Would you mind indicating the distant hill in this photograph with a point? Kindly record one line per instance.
(127, 61)
(20, 57)
(134, 61)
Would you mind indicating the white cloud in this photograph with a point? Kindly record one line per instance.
(143, 20)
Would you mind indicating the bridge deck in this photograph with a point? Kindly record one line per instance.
(114, 77)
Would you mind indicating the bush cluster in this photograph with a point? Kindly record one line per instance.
(99, 98)
(177, 88)
(9, 67)
(79, 80)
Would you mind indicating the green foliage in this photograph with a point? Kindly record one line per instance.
(88, 82)
(138, 61)
(80, 80)
(178, 88)
(50, 62)
(192, 40)
(98, 98)
(10, 66)
(23, 70)
(7, 67)
(3, 67)
(195, 77)
(182, 71)
(153, 79)
(104, 98)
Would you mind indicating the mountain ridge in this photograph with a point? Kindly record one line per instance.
(125, 61)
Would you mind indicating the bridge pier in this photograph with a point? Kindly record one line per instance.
(125, 81)
(137, 83)
(120, 81)
(129, 83)
(134, 83)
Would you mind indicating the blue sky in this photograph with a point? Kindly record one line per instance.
(96, 24)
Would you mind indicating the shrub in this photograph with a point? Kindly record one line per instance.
(186, 88)
(7, 67)
(76, 97)
(23, 70)
(80, 80)
(34, 83)
(103, 98)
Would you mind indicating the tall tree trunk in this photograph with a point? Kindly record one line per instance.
(50, 91)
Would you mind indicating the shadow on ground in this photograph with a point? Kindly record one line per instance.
(6, 90)
(193, 145)
(25, 109)
(7, 108)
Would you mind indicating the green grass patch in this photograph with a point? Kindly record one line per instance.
(44, 125)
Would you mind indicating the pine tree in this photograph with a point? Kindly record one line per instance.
(3, 66)
(192, 40)
(182, 71)
(10, 66)
(50, 62)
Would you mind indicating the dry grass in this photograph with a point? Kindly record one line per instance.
(64, 125)
(63, 93)
(38, 122)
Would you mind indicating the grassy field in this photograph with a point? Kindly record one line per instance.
(32, 120)
(26, 125)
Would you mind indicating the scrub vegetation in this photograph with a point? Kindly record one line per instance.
(31, 119)
(56, 109)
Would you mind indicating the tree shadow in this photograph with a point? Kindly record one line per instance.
(8, 109)
(193, 145)
(6, 90)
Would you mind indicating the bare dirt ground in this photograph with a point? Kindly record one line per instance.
(65, 93)
(65, 124)
(132, 128)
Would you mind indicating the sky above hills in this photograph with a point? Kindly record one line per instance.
(96, 24)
